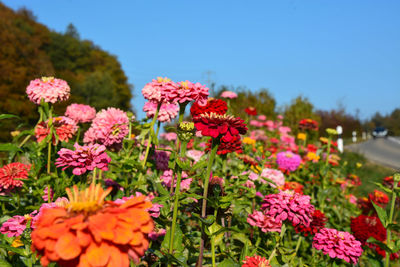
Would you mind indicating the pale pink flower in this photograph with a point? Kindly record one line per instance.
(166, 113)
(256, 123)
(279, 117)
(288, 160)
(166, 179)
(275, 175)
(253, 176)
(49, 89)
(336, 244)
(154, 211)
(83, 158)
(261, 117)
(228, 94)
(158, 89)
(270, 125)
(258, 135)
(195, 154)
(108, 128)
(264, 222)
(288, 205)
(80, 113)
(249, 184)
(284, 130)
(186, 92)
(169, 136)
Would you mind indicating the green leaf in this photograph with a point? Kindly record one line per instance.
(9, 147)
(19, 251)
(7, 116)
(178, 236)
(394, 226)
(381, 214)
(380, 244)
(242, 238)
(228, 263)
(384, 188)
(4, 263)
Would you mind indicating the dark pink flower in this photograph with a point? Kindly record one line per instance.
(187, 92)
(83, 158)
(288, 160)
(338, 244)
(288, 205)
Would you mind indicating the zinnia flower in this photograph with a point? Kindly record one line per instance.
(195, 154)
(108, 128)
(187, 92)
(288, 160)
(228, 94)
(80, 113)
(275, 175)
(161, 158)
(294, 186)
(47, 194)
(89, 231)
(364, 227)
(308, 124)
(169, 136)
(83, 158)
(317, 223)
(11, 175)
(338, 244)
(49, 89)
(224, 126)
(166, 179)
(166, 113)
(64, 126)
(234, 145)
(251, 111)
(16, 225)
(158, 89)
(213, 105)
(255, 261)
(288, 205)
(379, 198)
(264, 222)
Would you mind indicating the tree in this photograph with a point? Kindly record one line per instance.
(300, 108)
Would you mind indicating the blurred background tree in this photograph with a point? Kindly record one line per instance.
(30, 50)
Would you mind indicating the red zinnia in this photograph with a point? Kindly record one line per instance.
(65, 128)
(11, 175)
(317, 223)
(256, 261)
(213, 105)
(379, 198)
(224, 126)
(364, 227)
(235, 145)
(295, 186)
(308, 124)
(251, 111)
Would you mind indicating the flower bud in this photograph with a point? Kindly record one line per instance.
(186, 131)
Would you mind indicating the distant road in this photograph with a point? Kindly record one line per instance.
(383, 151)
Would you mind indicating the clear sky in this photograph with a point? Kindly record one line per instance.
(344, 51)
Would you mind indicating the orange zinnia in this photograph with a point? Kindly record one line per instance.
(90, 231)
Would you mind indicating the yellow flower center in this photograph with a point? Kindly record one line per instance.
(185, 85)
(47, 79)
(161, 79)
(89, 200)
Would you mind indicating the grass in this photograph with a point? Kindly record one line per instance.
(369, 172)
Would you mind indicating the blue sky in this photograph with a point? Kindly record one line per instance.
(329, 51)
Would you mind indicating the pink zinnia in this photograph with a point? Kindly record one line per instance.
(336, 244)
(166, 179)
(11, 175)
(288, 205)
(108, 128)
(288, 160)
(49, 89)
(80, 113)
(158, 89)
(84, 158)
(154, 211)
(186, 92)
(169, 136)
(46, 194)
(166, 113)
(228, 94)
(261, 117)
(16, 225)
(256, 261)
(195, 154)
(154, 235)
(275, 175)
(64, 126)
(264, 222)
(256, 123)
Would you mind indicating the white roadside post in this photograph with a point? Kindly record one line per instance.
(339, 130)
(354, 136)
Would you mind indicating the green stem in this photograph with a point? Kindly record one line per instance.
(176, 200)
(94, 176)
(388, 231)
(50, 125)
(158, 128)
(25, 140)
(283, 230)
(214, 148)
(78, 135)
(213, 243)
(150, 135)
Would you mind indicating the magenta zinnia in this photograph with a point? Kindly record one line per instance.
(49, 89)
(288, 205)
(80, 113)
(108, 128)
(288, 160)
(84, 158)
(338, 244)
(223, 126)
(11, 175)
